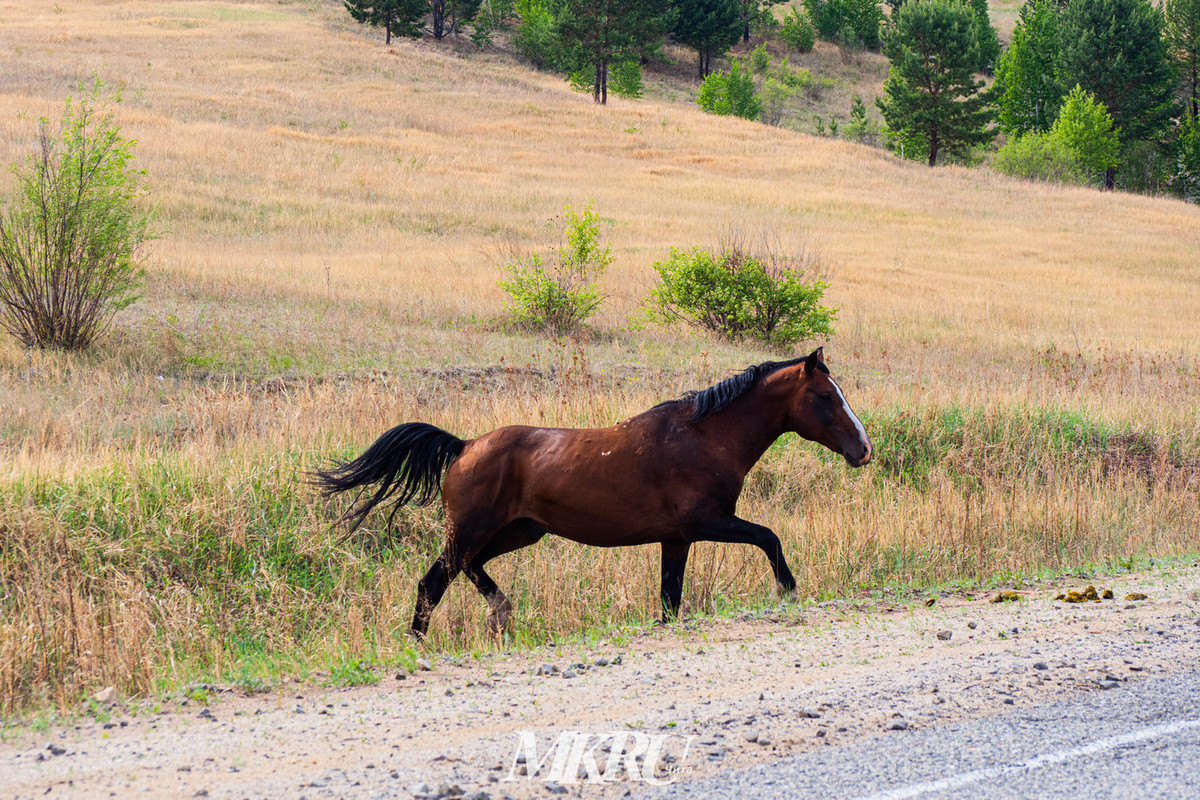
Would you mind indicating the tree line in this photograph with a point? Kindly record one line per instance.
(1104, 91)
(1087, 91)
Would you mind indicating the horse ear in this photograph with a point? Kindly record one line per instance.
(816, 357)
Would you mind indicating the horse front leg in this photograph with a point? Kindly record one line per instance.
(739, 531)
(674, 562)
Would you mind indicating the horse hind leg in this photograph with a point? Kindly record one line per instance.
(499, 606)
(431, 588)
(517, 534)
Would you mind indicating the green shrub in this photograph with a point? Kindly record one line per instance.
(773, 97)
(1143, 168)
(626, 79)
(1036, 156)
(798, 32)
(861, 128)
(862, 18)
(536, 37)
(759, 60)
(730, 94)
(71, 235)
(738, 294)
(1184, 177)
(560, 297)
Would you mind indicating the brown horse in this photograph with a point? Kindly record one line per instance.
(670, 475)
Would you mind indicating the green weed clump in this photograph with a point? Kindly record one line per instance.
(559, 297)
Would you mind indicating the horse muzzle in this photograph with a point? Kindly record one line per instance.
(862, 460)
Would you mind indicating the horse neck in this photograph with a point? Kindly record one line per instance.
(748, 425)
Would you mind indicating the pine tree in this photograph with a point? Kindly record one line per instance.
(710, 27)
(985, 37)
(599, 33)
(1027, 72)
(1183, 43)
(1115, 50)
(931, 96)
(399, 17)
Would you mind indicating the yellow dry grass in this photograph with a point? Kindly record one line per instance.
(333, 213)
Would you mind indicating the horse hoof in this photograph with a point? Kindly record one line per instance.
(498, 618)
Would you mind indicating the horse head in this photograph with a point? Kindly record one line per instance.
(819, 412)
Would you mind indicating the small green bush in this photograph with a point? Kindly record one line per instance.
(798, 32)
(71, 235)
(730, 94)
(738, 294)
(774, 96)
(560, 297)
(861, 128)
(1038, 157)
(626, 79)
(759, 60)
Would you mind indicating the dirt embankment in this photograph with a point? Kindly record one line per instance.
(694, 698)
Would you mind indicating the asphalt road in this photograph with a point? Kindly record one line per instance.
(1138, 741)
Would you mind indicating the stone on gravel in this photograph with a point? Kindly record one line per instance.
(751, 736)
(570, 673)
(945, 635)
(554, 788)
(972, 625)
(424, 665)
(601, 662)
(105, 695)
(420, 789)
(449, 790)
(1109, 684)
(1041, 665)
(896, 724)
(809, 712)
(546, 669)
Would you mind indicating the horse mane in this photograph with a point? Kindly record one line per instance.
(718, 396)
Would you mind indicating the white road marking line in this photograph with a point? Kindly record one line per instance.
(967, 778)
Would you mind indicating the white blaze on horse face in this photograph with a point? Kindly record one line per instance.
(858, 426)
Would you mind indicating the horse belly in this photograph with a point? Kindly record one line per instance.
(605, 502)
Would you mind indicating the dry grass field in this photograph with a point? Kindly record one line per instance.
(333, 213)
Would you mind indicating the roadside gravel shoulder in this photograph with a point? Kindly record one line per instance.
(724, 693)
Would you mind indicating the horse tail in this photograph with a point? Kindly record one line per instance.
(407, 463)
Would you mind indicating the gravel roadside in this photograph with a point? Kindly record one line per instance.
(713, 695)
